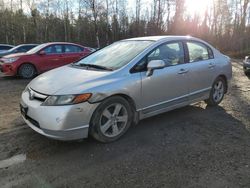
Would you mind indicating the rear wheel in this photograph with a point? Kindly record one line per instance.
(27, 71)
(247, 74)
(111, 119)
(217, 92)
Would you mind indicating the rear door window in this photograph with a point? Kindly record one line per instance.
(198, 52)
(72, 49)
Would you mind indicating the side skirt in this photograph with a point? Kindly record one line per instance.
(171, 105)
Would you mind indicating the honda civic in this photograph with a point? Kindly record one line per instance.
(103, 94)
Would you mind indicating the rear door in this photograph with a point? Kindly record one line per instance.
(52, 58)
(201, 69)
(72, 53)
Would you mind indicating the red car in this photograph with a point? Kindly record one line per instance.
(42, 58)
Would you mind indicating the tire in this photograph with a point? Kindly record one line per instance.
(27, 71)
(217, 92)
(247, 74)
(111, 119)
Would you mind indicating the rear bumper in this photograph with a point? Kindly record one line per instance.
(229, 86)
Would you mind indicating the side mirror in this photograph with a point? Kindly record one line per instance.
(42, 52)
(153, 65)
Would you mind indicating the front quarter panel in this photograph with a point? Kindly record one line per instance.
(127, 84)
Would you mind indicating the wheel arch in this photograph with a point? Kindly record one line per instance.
(30, 63)
(225, 79)
(128, 98)
(130, 101)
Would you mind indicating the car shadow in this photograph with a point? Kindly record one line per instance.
(188, 142)
(188, 124)
(2, 77)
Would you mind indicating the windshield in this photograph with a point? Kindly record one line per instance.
(36, 49)
(116, 55)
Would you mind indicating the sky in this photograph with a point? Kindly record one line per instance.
(192, 6)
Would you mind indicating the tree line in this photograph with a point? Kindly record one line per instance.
(97, 23)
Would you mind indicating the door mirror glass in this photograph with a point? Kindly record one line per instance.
(153, 65)
(42, 52)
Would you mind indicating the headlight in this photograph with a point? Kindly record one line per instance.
(66, 99)
(10, 60)
(26, 89)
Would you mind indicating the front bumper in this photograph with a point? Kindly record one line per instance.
(69, 122)
(246, 67)
(73, 134)
(8, 69)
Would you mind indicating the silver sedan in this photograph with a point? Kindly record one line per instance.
(106, 92)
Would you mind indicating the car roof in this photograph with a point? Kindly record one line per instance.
(50, 43)
(165, 37)
(6, 45)
(28, 44)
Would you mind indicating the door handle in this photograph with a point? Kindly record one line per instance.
(183, 71)
(211, 65)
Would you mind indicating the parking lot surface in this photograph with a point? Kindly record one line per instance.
(195, 146)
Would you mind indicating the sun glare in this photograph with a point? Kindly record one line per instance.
(197, 7)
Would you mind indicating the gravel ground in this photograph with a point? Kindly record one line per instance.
(195, 146)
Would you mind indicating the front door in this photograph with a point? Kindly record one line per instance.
(168, 86)
(52, 58)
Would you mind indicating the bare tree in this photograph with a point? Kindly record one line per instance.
(107, 22)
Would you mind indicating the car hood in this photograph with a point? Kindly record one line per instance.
(5, 53)
(14, 55)
(67, 80)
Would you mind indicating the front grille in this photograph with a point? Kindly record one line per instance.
(34, 95)
(32, 121)
(39, 99)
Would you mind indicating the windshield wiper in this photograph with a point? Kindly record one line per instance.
(94, 66)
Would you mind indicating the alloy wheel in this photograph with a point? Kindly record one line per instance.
(113, 120)
(27, 71)
(218, 91)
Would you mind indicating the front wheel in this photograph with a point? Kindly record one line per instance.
(217, 92)
(111, 119)
(27, 71)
